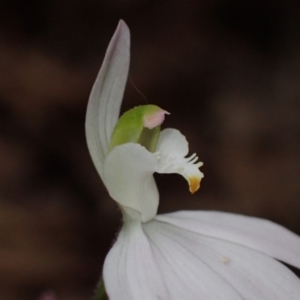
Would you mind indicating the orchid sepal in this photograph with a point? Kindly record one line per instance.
(106, 96)
(141, 125)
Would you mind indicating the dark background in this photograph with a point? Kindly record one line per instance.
(229, 73)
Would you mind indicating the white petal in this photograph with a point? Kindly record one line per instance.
(258, 234)
(128, 171)
(172, 147)
(186, 276)
(199, 267)
(130, 271)
(172, 141)
(106, 96)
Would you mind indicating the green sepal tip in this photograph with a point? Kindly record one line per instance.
(140, 125)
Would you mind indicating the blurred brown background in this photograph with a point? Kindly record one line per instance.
(228, 71)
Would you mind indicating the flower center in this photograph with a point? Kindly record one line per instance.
(149, 138)
(139, 125)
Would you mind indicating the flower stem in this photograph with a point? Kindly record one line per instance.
(100, 293)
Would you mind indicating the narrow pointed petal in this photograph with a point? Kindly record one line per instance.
(128, 171)
(201, 267)
(130, 271)
(172, 147)
(106, 96)
(258, 234)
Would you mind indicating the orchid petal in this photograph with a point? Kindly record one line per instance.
(130, 270)
(258, 234)
(106, 96)
(191, 262)
(172, 147)
(128, 171)
(186, 276)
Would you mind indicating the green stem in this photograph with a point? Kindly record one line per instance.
(100, 293)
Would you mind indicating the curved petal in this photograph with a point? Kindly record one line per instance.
(172, 147)
(258, 234)
(200, 267)
(128, 171)
(186, 276)
(130, 271)
(173, 141)
(106, 96)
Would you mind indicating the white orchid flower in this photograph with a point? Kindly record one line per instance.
(182, 255)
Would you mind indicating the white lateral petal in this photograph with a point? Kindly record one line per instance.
(128, 177)
(172, 147)
(106, 96)
(255, 233)
(172, 141)
(193, 265)
(130, 271)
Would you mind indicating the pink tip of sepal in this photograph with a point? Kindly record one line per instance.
(155, 119)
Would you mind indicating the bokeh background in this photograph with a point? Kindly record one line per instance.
(229, 73)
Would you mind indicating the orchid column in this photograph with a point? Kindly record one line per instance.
(183, 255)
